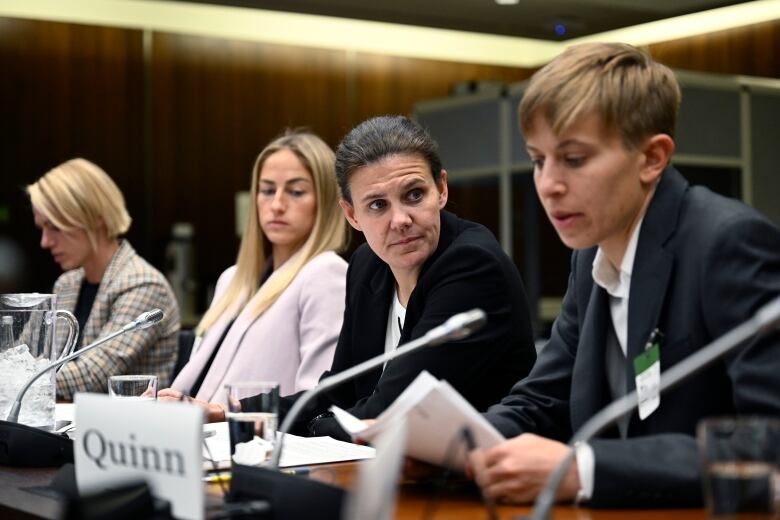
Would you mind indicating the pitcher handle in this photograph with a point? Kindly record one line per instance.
(73, 332)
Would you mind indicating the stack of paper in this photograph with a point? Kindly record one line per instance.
(436, 416)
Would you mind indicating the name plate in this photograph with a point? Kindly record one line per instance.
(120, 441)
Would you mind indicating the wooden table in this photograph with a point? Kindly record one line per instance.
(458, 501)
(461, 501)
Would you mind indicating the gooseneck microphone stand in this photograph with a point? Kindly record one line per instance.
(143, 321)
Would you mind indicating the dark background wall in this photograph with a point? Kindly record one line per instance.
(177, 120)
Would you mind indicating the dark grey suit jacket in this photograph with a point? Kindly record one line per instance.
(468, 269)
(704, 264)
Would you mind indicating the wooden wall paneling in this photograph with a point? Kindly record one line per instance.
(391, 85)
(753, 50)
(68, 90)
(217, 103)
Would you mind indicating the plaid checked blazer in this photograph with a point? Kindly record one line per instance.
(129, 287)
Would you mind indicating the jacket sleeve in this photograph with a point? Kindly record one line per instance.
(540, 403)
(342, 358)
(90, 372)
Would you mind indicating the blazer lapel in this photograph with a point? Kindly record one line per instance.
(373, 325)
(216, 376)
(652, 266)
(101, 307)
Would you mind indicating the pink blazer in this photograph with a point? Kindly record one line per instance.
(291, 343)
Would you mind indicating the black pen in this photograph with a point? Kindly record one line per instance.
(655, 337)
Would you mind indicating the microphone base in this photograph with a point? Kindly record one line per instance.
(289, 496)
(23, 446)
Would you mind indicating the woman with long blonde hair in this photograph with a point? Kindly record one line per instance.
(276, 314)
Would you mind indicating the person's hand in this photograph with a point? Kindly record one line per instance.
(212, 412)
(368, 423)
(517, 469)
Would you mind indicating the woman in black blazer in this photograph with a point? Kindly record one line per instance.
(420, 266)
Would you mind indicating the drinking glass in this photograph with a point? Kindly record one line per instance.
(740, 459)
(138, 387)
(259, 419)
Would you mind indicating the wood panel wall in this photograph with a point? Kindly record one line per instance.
(179, 125)
(752, 51)
(66, 91)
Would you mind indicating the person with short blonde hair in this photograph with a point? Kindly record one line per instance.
(658, 265)
(634, 95)
(81, 213)
(277, 313)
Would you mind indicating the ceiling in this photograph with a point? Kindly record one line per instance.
(554, 20)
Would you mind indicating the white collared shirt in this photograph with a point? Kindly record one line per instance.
(617, 283)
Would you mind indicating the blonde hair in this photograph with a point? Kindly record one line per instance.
(78, 194)
(633, 94)
(328, 233)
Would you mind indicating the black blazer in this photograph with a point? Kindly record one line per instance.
(468, 269)
(704, 264)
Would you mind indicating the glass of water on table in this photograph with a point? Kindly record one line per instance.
(741, 462)
(135, 387)
(256, 416)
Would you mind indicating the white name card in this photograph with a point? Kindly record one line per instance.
(119, 441)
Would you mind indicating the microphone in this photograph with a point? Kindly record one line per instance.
(455, 328)
(764, 320)
(27, 446)
(143, 321)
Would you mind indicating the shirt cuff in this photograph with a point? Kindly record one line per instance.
(586, 467)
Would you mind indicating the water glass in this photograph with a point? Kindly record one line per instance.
(256, 417)
(137, 387)
(741, 462)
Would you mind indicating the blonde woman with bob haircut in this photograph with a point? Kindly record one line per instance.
(276, 314)
(81, 214)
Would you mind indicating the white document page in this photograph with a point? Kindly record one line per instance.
(419, 388)
(298, 451)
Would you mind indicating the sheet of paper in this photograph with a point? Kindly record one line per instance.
(399, 408)
(64, 412)
(304, 451)
(436, 415)
(298, 451)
